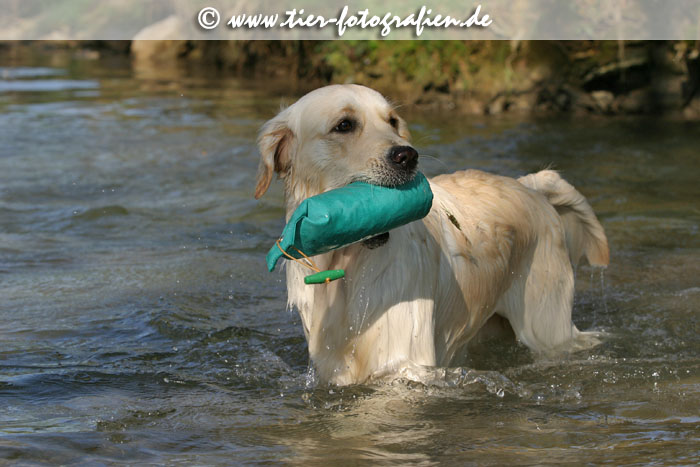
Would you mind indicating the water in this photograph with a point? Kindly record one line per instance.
(138, 323)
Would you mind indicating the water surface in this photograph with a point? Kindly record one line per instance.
(138, 322)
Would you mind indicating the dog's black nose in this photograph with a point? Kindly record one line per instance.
(404, 156)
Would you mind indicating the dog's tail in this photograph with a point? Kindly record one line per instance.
(584, 234)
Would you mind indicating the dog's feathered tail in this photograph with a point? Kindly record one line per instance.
(584, 234)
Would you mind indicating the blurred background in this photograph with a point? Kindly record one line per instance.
(473, 77)
(138, 323)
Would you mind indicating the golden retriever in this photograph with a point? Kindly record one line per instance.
(491, 249)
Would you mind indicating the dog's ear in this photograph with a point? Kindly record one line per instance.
(275, 143)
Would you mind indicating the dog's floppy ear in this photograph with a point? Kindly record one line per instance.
(275, 143)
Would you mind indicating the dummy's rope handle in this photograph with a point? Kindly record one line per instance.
(320, 277)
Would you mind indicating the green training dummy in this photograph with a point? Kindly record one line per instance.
(347, 215)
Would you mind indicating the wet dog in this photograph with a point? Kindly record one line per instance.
(491, 249)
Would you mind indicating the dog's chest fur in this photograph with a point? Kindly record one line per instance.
(405, 300)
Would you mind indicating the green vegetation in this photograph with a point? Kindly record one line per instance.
(607, 77)
(481, 76)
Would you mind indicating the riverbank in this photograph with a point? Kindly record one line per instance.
(471, 77)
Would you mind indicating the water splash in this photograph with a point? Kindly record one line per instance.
(363, 298)
(595, 307)
(602, 303)
(602, 290)
(493, 382)
(310, 379)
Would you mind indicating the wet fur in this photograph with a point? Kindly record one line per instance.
(491, 249)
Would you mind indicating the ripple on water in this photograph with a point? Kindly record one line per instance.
(139, 324)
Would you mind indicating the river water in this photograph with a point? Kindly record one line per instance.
(138, 323)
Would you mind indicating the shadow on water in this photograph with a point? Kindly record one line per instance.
(139, 323)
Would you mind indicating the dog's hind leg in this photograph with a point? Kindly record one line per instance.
(539, 302)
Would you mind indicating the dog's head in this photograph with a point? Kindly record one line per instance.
(334, 136)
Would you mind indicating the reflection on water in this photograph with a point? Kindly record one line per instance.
(23, 72)
(139, 324)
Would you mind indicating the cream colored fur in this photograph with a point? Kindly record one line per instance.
(491, 246)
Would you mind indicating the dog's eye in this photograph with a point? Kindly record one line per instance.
(345, 126)
(393, 121)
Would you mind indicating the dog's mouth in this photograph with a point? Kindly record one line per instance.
(388, 178)
(397, 178)
(384, 173)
